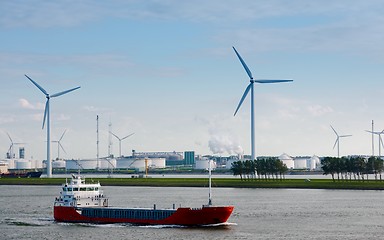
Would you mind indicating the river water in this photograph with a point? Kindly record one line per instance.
(26, 213)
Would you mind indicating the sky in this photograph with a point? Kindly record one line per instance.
(166, 71)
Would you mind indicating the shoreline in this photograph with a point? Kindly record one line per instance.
(216, 183)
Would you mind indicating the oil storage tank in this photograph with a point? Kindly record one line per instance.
(81, 164)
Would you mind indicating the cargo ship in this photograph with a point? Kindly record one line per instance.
(21, 174)
(81, 202)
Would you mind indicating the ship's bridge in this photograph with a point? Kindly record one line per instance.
(78, 193)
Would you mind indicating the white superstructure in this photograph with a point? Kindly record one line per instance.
(77, 193)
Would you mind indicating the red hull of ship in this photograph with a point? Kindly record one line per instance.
(182, 216)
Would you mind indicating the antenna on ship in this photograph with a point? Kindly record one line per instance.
(109, 139)
(210, 183)
(97, 142)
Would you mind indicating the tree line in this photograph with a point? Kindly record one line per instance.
(357, 167)
(263, 168)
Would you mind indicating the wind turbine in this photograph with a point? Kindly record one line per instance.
(381, 144)
(47, 119)
(250, 87)
(338, 141)
(10, 150)
(121, 139)
(59, 145)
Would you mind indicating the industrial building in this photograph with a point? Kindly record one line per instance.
(19, 162)
(189, 158)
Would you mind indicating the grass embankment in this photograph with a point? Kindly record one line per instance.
(203, 182)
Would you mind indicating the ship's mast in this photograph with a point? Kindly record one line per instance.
(97, 142)
(210, 183)
(110, 140)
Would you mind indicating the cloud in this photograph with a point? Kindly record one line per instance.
(318, 110)
(91, 108)
(7, 119)
(38, 117)
(43, 14)
(24, 103)
(62, 117)
(35, 13)
(220, 144)
(221, 137)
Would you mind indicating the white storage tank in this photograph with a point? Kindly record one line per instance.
(157, 163)
(23, 164)
(138, 163)
(36, 164)
(39, 164)
(58, 164)
(107, 163)
(300, 163)
(315, 162)
(204, 164)
(11, 163)
(287, 160)
(229, 163)
(81, 164)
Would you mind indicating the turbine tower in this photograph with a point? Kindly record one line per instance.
(121, 139)
(381, 144)
(47, 119)
(59, 145)
(250, 87)
(338, 141)
(373, 145)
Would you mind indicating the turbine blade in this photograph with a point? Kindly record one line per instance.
(273, 81)
(127, 136)
(64, 92)
(243, 63)
(10, 147)
(63, 134)
(381, 140)
(242, 98)
(334, 145)
(115, 135)
(377, 133)
(45, 112)
(345, 136)
(334, 131)
(61, 146)
(37, 85)
(9, 136)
